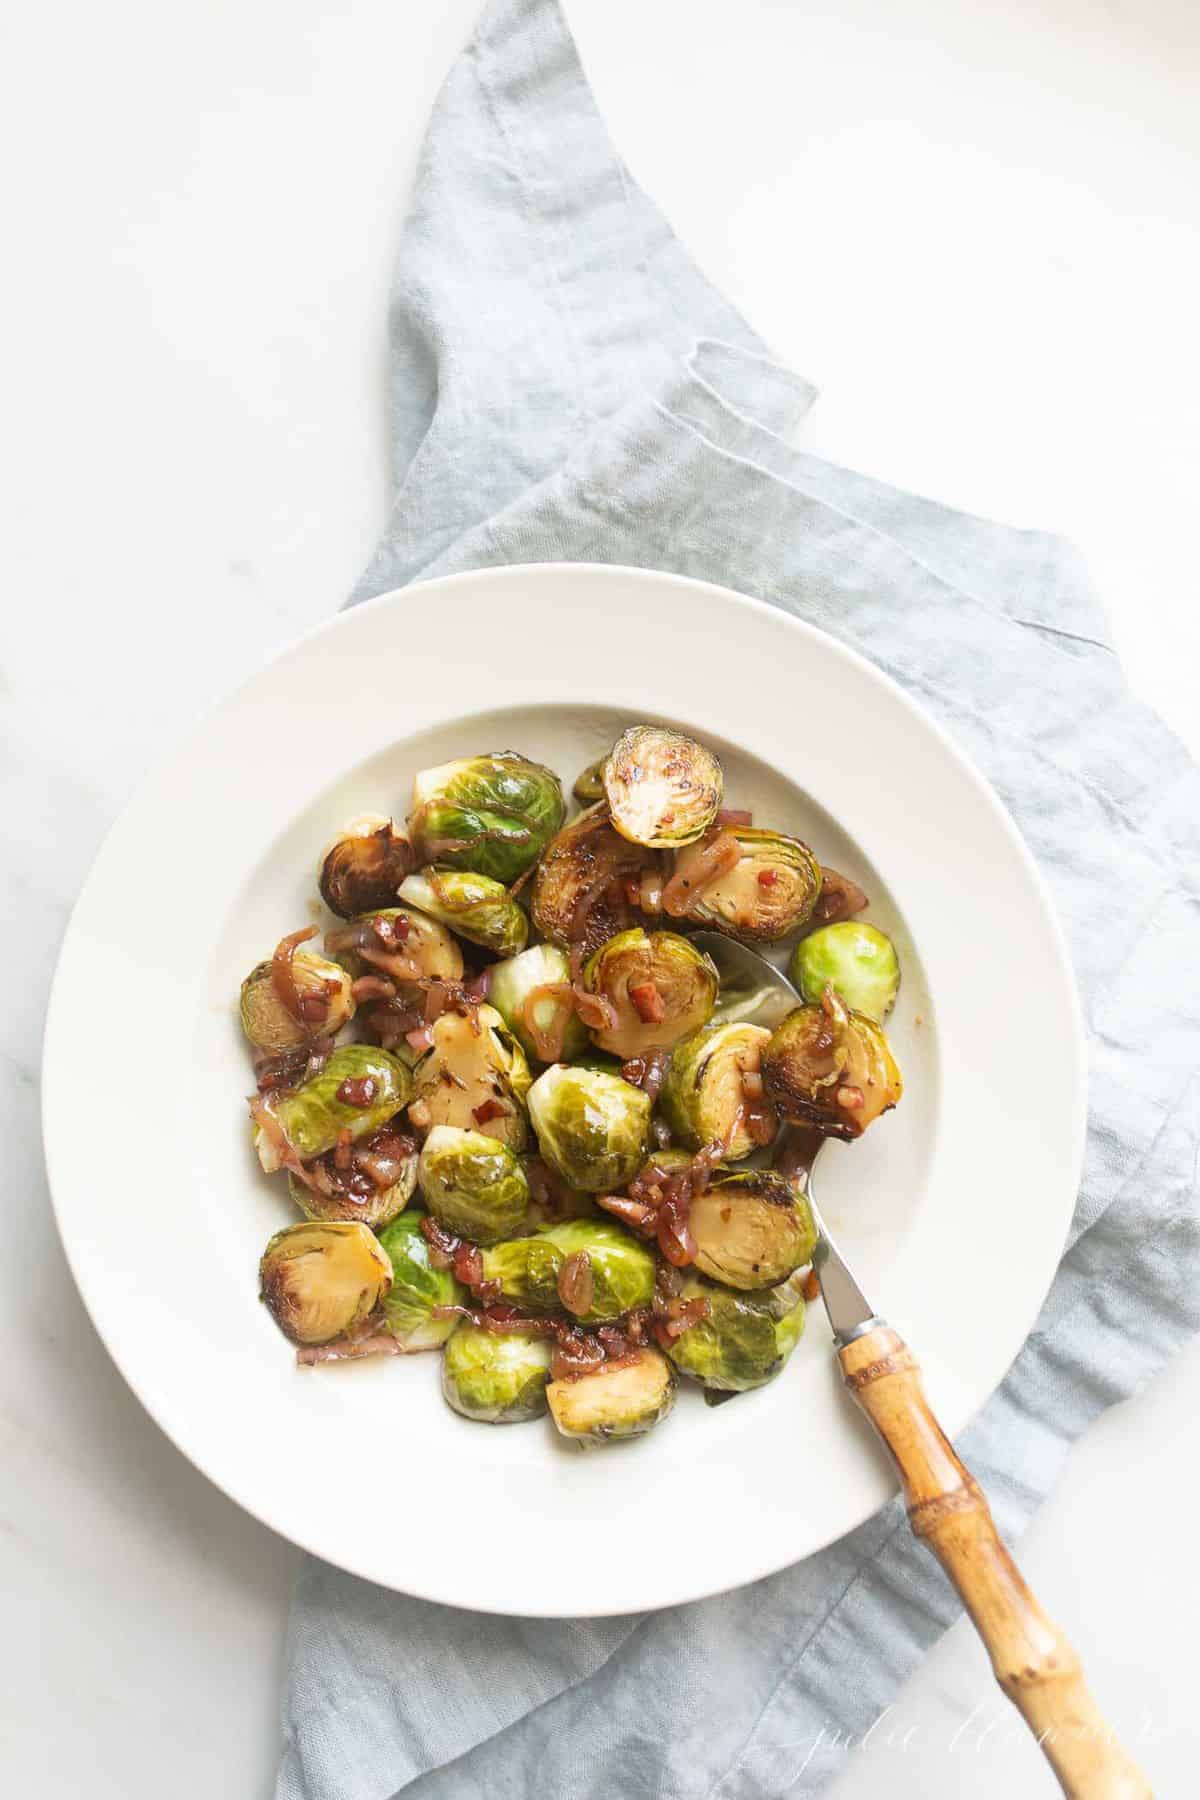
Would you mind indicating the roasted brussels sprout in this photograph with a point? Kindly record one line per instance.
(744, 1341)
(662, 788)
(285, 1008)
(474, 906)
(854, 958)
(579, 892)
(765, 894)
(589, 784)
(658, 986)
(475, 1077)
(376, 1183)
(622, 1399)
(591, 1127)
(832, 1068)
(713, 1090)
(404, 945)
(359, 1089)
(498, 1377)
(590, 1268)
(533, 994)
(321, 1279)
(417, 1287)
(364, 866)
(473, 1184)
(752, 1229)
(494, 814)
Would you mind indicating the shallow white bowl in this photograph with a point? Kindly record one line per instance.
(953, 1209)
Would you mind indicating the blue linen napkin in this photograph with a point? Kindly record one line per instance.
(567, 386)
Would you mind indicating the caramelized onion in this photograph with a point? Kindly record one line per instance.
(283, 980)
(548, 1039)
(697, 867)
(576, 1283)
(650, 891)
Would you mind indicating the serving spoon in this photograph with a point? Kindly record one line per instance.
(1034, 1663)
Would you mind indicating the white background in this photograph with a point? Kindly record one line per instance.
(974, 223)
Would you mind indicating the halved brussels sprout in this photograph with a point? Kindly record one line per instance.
(832, 1068)
(417, 1287)
(662, 788)
(579, 889)
(321, 1279)
(854, 958)
(359, 1089)
(474, 906)
(744, 1341)
(659, 986)
(590, 1268)
(713, 1090)
(475, 1077)
(498, 1377)
(752, 1229)
(533, 994)
(767, 894)
(405, 945)
(591, 1127)
(364, 866)
(473, 1184)
(623, 1399)
(322, 990)
(589, 784)
(377, 1185)
(494, 814)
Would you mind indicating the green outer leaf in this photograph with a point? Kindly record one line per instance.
(508, 806)
(472, 905)
(417, 1287)
(857, 959)
(473, 1184)
(742, 1343)
(528, 1268)
(312, 1118)
(591, 1127)
(497, 1377)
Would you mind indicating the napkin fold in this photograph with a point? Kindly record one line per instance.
(566, 385)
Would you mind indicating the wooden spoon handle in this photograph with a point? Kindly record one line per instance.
(1032, 1660)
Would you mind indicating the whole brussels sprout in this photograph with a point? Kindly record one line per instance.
(321, 1279)
(322, 990)
(364, 866)
(662, 788)
(475, 906)
(376, 1187)
(578, 891)
(744, 1341)
(417, 1287)
(659, 987)
(855, 959)
(704, 1098)
(549, 1272)
(494, 814)
(406, 946)
(752, 1229)
(766, 895)
(475, 1076)
(591, 1127)
(473, 1184)
(623, 1399)
(533, 994)
(498, 1377)
(831, 1068)
(589, 784)
(359, 1089)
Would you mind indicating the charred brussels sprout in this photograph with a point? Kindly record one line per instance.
(364, 866)
(473, 1184)
(533, 994)
(744, 1341)
(831, 1068)
(498, 1377)
(855, 959)
(359, 1089)
(494, 814)
(579, 890)
(474, 906)
(321, 991)
(378, 1184)
(475, 1077)
(589, 785)
(417, 1287)
(587, 1267)
(623, 1399)
(658, 986)
(713, 1091)
(769, 892)
(321, 1279)
(395, 941)
(752, 1229)
(591, 1127)
(662, 788)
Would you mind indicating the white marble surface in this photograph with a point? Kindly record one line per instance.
(976, 227)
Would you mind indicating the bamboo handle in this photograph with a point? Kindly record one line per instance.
(1034, 1663)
